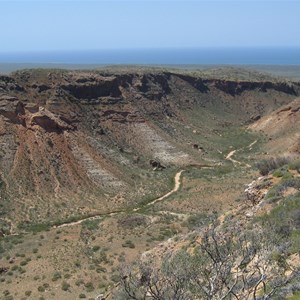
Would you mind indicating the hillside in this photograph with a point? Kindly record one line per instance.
(86, 158)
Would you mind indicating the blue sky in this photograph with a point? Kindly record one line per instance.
(83, 25)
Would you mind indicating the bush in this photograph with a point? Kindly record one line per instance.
(41, 288)
(65, 286)
(128, 244)
(199, 220)
(96, 248)
(77, 264)
(266, 165)
(56, 276)
(89, 286)
(295, 166)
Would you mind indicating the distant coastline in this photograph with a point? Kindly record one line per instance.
(231, 56)
(284, 62)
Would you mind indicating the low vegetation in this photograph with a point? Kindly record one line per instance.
(267, 165)
(223, 262)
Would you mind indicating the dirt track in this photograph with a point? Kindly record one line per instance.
(177, 180)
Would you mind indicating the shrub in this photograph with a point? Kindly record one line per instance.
(79, 282)
(199, 220)
(77, 264)
(56, 276)
(65, 286)
(128, 244)
(96, 248)
(91, 224)
(41, 288)
(295, 166)
(89, 286)
(266, 165)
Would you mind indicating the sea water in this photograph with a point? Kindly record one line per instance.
(265, 56)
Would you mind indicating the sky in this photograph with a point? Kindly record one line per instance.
(48, 25)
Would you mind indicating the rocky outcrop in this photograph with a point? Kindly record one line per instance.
(48, 121)
(156, 165)
(121, 116)
(238, 87)
(197, 83)
(8, 83)
(11, 108)
(93, 87)
(154, 86)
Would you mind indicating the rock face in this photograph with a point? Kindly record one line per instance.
(282, 127)
(48, 121)
(11, 108)
(72, 139)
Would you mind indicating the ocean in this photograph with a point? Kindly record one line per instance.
(275, 61)
(231, 56)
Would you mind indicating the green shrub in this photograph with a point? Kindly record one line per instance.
(199, 220)
(115, 278)
(283, 223)
(65, 286)
(295, 166)
(41, 288)
(96, 248)
(28, 293)
(89, 287)
(77, 264)
(79, 282)
(128, 244)
(266, 165)
(14, 268)
(91, 224)
(35, 228)
(56, 276)
(295, 241)
(82, 296)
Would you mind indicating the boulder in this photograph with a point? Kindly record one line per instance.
(156, 165)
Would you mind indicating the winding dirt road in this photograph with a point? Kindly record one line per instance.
(177, 180)
(177, 183)
(231, 153)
